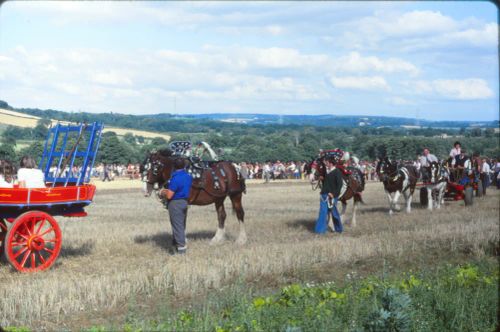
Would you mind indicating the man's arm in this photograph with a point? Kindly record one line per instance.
(170, 194)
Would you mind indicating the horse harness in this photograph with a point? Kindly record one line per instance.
(197, 170)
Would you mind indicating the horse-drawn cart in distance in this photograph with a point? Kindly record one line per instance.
(33, 242)
(461, 184)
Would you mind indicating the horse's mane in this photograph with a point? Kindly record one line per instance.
(165, 152)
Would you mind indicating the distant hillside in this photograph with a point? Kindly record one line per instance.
(341, 120)
(13, 118)
(202, 123)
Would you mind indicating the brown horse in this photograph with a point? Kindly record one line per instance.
(211, 185)
(352, 187)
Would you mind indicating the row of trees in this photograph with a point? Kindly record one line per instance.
(261, 143)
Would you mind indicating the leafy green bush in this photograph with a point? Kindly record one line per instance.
(462, 298)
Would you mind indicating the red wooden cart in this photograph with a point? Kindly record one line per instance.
(33, 241)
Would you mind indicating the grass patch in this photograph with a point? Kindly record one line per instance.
(447, 298)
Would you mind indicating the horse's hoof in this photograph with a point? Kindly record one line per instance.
(215, 241)
(242, 239)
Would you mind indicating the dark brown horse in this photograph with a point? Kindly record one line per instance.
(211, 185)
(352, 187)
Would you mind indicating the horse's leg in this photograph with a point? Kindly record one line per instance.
(408, 194)
(240, 214)
(344, 207)
(354, 208)
(330, 221)
(395, 200)
(439, 197)
(221, 215)
(389, 198)
(342, 213)
(430, 200)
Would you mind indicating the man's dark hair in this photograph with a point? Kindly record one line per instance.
(457, 142)
(179, 163)
(27, 162)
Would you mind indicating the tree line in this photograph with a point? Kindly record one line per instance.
(262, 143)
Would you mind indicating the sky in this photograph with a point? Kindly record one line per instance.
(427, 59)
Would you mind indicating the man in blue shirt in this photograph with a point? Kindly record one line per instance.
(177, 196)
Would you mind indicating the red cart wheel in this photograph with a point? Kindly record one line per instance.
(3, 234)
(33, 242)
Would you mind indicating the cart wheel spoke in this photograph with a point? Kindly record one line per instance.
(23, 236)
(46, 232)
(18, 244)
(41, 258)
(48, 250)
(25, 257)
(40, 226)
(20, 252)
(33, 260)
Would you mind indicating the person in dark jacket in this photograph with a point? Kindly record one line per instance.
(329, 196)
(177, 195)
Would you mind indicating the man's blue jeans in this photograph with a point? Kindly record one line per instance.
(322, 221)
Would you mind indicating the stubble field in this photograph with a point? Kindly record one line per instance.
(120, 252)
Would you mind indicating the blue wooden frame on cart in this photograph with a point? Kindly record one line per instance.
(57, 153)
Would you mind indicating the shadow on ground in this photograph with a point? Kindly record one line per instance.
(74, 251)
(302, 223)
(164, 239)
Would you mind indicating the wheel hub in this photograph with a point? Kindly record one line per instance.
(36, 243)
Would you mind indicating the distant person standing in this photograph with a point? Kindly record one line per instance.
(177, 196)
(266, 172)
(106, 173)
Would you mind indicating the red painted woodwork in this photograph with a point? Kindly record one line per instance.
(55, 195)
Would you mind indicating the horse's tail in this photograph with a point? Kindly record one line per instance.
(359, 177)
(241, 180)
(243, 184)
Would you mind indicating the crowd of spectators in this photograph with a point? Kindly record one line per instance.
(278, 170)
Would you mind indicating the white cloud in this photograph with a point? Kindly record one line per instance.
(111, 78)
(354, 62)
(470, 89)
(275, 30)
(464, 89)
(408, 31)
(361, 83)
